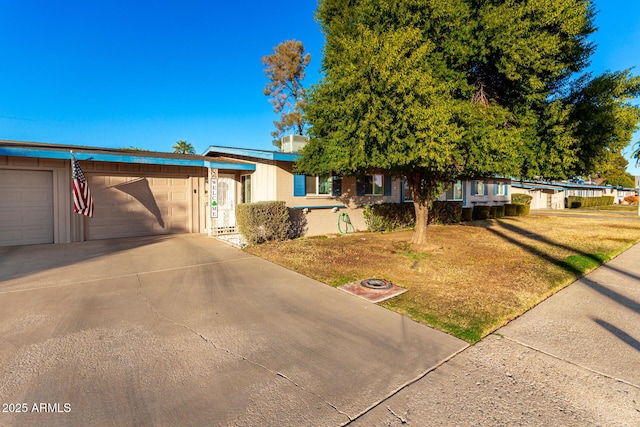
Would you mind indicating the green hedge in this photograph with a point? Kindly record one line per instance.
(510, 209)
(262, 221)
(467, 214)
(443, 212)
(500, 211)
(521, 198)
(522, 209)
(585, 202)
(481, 212)
(389, 216)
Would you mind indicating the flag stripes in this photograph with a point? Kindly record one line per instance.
(82, 200)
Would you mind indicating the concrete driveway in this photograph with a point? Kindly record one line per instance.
(186, 330)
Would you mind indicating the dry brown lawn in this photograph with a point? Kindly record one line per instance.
(470, 279)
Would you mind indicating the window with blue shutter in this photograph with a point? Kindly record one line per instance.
(486, 188)
(299, 185)
(495, 189)
(473, 188)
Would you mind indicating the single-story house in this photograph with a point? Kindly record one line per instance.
(140, 193)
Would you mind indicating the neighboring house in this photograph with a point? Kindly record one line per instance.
(543, 196)
(553, 195)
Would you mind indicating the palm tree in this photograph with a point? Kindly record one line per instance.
(183, 147)
(636, 154)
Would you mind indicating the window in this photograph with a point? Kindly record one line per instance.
(455, 192)
(478, 188)
(373, 185)
(500, 189)
(318, 185)
(245, 189)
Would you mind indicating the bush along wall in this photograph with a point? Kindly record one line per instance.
(443, 212)
(586, 202)
(522, 209)
(263, 221)
(389, 216)
(467, 214)
(481, 212)
(510, 209)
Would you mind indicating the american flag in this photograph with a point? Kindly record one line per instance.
(82, 200)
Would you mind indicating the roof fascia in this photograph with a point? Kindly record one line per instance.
(120, 158)
(256, 154)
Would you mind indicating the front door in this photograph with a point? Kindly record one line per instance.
(226, 221)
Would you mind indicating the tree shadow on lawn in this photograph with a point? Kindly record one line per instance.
(577, 265)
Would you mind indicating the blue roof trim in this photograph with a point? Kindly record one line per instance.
(257, 154)
(121, 158)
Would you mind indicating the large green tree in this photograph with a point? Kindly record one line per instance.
(285, 69)
(440, 90)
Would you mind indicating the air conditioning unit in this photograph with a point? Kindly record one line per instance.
(292, 143)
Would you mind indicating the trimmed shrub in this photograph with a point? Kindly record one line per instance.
(481, 212)
(500, 211)
(521, 198)
(492, 212)
(262, 221)
(575, 202)
(522, 209)
(467, 214)
(509, 209)
(389, 216)
(443, 212)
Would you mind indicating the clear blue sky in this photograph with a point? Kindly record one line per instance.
(123, 73)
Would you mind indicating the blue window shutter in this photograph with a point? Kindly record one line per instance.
(486, 188)
(506, 189)
(473, 188)
(336, 186)
(495, 188)
(387, 185)
(464, 193)
(360, 186)
(299, 185)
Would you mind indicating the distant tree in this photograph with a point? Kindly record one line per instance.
(442, 90)
(183, 147)
(614, 171)
(285, 69)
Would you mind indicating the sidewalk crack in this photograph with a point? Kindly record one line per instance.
(562, 359)
(231, 353)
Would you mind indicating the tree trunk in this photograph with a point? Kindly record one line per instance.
(422, 216)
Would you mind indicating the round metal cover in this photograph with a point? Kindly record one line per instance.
(376, 284)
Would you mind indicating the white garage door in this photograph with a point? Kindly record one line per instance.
(26, 207)
(126, 206)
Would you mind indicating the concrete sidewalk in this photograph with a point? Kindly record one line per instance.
(574, 360)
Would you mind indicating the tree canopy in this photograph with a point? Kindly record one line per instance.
(285, 69)
(440, 90)
(183, 147)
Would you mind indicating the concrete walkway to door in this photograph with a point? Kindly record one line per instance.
(186, 330)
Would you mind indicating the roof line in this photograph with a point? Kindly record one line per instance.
(81, 154)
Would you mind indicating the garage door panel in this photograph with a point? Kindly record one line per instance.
(138, 206)
(26, 207)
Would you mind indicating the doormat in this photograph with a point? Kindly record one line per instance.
(373, 290)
